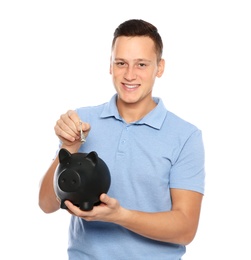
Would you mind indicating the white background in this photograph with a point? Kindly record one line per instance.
(54, 56)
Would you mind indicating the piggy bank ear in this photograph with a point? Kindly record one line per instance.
(93, 157)
(63, 155)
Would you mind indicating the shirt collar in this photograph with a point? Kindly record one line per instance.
(154, 118)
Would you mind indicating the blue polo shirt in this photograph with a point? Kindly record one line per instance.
(146, 158)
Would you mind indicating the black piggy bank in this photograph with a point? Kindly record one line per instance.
(81, 178)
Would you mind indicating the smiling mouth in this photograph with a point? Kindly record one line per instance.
(133, 86)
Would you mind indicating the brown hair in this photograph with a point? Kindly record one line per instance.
(138, 27)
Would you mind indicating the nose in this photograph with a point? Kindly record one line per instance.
(130, 73)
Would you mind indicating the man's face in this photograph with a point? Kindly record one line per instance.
(134, 68)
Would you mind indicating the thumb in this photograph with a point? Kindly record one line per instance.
(104, 198)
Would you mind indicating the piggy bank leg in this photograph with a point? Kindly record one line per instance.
(86, 205)
(62, 205)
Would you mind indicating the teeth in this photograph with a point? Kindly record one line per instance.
(130, 86)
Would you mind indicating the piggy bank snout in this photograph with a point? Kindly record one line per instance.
(69, 181)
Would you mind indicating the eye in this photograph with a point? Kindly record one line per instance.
(120, 64)
(141, 65)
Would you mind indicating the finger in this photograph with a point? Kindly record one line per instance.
(64, 135)
(70, 122)
(77, 211)
(71, 114)
(86, 128)
(104, 198)
(66, 126)
(69, 127)
(72, 208)
(78, 124)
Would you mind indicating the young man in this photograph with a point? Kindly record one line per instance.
(156, 161)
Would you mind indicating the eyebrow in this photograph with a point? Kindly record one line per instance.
(138, 60)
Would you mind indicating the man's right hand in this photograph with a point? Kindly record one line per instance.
(67, 129)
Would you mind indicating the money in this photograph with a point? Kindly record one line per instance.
(82, 135)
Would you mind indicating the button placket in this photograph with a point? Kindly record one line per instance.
(123, 140)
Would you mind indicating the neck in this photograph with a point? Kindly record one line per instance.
(132, 112)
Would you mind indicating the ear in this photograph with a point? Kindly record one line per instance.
(161, 68)
(110, 69)
(63, 155)
(93, 157)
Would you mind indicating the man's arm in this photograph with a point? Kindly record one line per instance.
(176, 226)
(47, 198)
